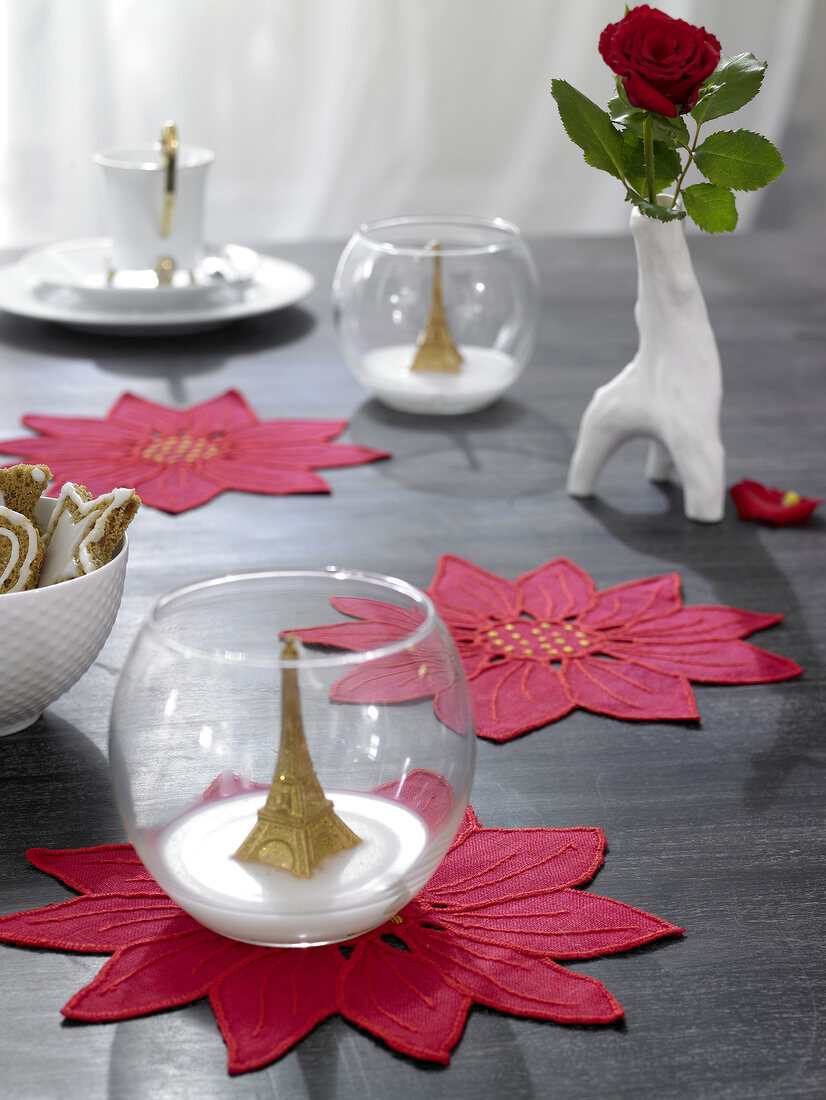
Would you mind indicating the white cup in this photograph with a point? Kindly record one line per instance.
(136, 183)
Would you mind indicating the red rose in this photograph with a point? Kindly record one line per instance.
(662, 61)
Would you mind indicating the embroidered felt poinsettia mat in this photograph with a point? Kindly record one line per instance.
(536, 648)
(487, 928)
(177, 459)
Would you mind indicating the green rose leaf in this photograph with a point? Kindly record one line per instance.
(667, 164)
(734, 82)
(738, 159)
(711, 207)
(671, 131)
(589, 127)
(652, 210)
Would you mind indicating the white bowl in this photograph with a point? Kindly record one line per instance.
(52, 635)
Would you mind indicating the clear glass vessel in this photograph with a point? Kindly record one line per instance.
(292, 751)
(385, 306)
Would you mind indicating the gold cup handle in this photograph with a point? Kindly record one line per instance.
(169, 152)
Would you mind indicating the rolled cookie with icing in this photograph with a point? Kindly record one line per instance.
(83, 533)
(22, 486)
(21, 547)
(21, 551)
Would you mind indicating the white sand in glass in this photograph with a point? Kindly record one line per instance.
(484, 375)
(348, 893)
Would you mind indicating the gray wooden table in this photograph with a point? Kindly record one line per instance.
(718, 828)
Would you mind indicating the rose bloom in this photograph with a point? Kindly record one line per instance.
(662, 61)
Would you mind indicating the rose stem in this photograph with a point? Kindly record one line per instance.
(648, 151)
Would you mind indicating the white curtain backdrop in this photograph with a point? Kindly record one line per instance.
(327, 113)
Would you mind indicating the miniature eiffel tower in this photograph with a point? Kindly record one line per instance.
(297, 826)
(436, 351)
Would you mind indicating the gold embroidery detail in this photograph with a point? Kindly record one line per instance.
(180, 448)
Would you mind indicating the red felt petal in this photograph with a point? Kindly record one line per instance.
(101, 474)
(492, 867)
(720, 662)
(513, 696)
(414, 673)
(627, 604)
(380, 624)
(78, 433)
(97, 464)
(268, 433)
(623, 689)
(227, 413)
(502, 978)
(147, 977)
(701, 623)
(347, 454)
(360, 637)
(566, 924)
(279, 482)
(103, 869)
(556, 590)
(473, 659)
(426, 793)
(263, 1008)
(402, 618)
(56, 452)
(451, 706)
(403, 999)
(467, 595)
(304, 456)
(138, 415)
(100, 923)
(178, 488)
(259, 479)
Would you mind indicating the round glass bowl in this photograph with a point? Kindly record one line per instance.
(465, 281)
(292, 751)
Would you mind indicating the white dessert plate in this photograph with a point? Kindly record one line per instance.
(66, 284)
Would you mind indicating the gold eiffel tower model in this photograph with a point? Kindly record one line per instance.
(436, 351)
(297, 826)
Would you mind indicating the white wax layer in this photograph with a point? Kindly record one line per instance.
(484, 374)
(348, 893)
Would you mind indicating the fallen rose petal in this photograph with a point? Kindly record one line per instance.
(777, 506)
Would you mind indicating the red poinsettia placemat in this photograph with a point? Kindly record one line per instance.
(536, 648)
(487, 928)
(177, 459)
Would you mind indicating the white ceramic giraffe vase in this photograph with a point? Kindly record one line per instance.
(671, 390)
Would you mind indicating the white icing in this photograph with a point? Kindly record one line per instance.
(17, 520)
(68, 542)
